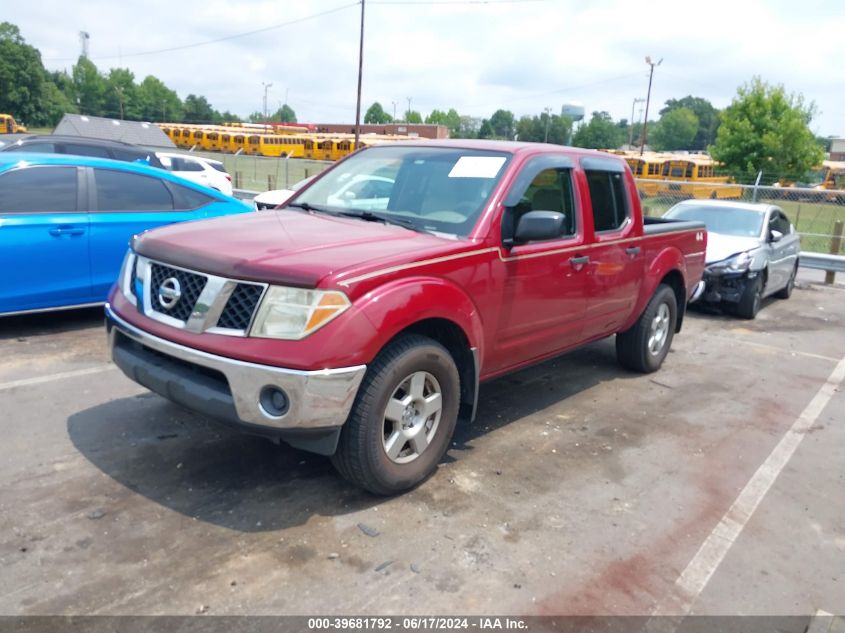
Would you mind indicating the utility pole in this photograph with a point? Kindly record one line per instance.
(266, 88)
(360, 74)
(119, 92)
(631, 122)
(644, 137)
(408, 113)
(548, 112)
(394, 111)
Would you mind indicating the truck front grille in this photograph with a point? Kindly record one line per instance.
(190, 286)
(240, 307)
(193, 300)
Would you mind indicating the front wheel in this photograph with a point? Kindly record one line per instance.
(403, 417)
(751, 298)
(644, 346)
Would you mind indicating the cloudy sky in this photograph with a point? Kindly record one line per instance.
(522, 55)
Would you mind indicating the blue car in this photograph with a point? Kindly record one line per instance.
(66, 221)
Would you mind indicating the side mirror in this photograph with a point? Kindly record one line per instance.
(539, 225)
(775, 235)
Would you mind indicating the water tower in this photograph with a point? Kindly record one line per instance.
(573, 110)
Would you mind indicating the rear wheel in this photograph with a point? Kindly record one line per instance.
(786, 291)
(644, 346)
(403, 417)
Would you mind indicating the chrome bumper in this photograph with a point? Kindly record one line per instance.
(232, 391)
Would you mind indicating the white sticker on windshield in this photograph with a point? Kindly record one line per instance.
(477, 167)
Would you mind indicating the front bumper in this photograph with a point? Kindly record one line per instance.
(725, 286)
(231, 390)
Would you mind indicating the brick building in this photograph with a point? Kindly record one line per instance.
(423, 130)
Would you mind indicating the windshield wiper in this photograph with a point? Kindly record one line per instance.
(308, 207)
(369, 216)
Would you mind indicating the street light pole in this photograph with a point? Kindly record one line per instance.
(631, 122)
(644, 137)
(408, 114)
(360, 73)
(266, 88)
(394, 111)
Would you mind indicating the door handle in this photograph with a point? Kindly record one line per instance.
(579, 261)
(633, 250)
(66, 230)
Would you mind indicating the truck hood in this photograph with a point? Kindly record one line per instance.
(289, 247)
(721, 246)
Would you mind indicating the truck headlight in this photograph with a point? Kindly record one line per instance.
(294, 313)
(126, 279)
(740, 262)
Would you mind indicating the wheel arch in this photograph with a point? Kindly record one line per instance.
(439, 310)
(675, 280)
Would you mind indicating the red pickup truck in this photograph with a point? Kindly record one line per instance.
(358, 320)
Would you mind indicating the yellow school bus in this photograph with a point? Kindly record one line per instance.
(8, 125)
(695, 177)
(648, 170)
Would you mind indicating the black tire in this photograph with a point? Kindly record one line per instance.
(633, 349)
(786, 291)
(751, 299)
(361, 455)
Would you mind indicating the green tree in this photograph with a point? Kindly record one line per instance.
(545, 128)
(436, 117)
(22, 77)
(376, 114)
(89, 87)
(468, 127)
(285, 114)
(198, 110)
(56, 105)
(767, 129)
(708, 119)
(486, 129)
(157, 102)
(503, 123)
(600, 133)
(121, 96)
(675, 130)
(412, 116)
(229, 117)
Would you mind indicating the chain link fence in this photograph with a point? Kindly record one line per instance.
(817, 214)
(262, 173)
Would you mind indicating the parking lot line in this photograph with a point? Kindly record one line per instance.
(26, 382)
(712, 552)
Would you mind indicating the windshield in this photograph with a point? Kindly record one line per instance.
(430, 189)
(724, 220)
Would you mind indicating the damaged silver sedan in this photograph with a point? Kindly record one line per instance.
(752, 252)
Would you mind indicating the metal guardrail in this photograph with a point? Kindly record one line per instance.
(822, 261)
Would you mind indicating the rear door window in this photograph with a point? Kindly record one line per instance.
(187, 199)
(38, 190)
(609, 200)
(120, 191)
(46, 148)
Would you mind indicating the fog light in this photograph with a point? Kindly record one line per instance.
(273, 401)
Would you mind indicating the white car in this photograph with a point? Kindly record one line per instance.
(204, 171)
(369, 193)
(273, 198)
